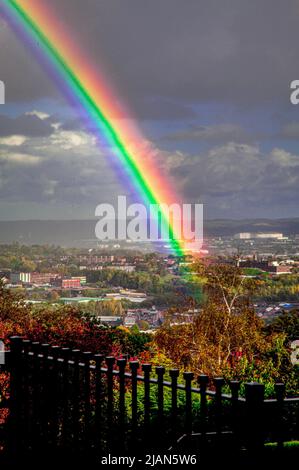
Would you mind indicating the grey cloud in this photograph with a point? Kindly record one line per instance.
(23, 75)
(220, 133)
(69, 168)
(27, 125)
(235, 177)
(290, 131)
(64, 168)
(160, 108)
(164, 58)
(184, 52)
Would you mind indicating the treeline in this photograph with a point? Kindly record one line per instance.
(26, 258)
(280, 288)
(143, 281)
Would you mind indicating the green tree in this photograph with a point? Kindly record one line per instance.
(288, 323)
(224, 331)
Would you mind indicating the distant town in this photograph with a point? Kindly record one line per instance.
(131, 287)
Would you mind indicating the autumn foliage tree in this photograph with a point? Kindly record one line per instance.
(62, 325)
(225, 335)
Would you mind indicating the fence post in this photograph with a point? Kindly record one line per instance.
(26, 393)
(254, 395)
(280, 395)
(36, 405)
(76, 399)
(235, 387)
(134, 365)
(121, 363)
(86, 356)
(110, 360)
(98, 412)
(218, 382)
(45, 396)
(188, 376)
(174, 375)
(15, 434)
(146, 372)
(54, 413)
(203, 381)
(160, 371)
(65, 394)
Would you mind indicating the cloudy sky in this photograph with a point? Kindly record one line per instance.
(207, 82)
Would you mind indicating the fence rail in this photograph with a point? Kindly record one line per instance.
(74, 403)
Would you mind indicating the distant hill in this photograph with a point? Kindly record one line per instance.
(228, 227)
(80, 233)
(68, 233)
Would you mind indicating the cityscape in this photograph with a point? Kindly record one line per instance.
(149, 234)
(136, 280)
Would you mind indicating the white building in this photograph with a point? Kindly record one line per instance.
(264, 235)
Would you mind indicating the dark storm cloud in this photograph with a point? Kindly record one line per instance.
(290, 131)
(178, 51)
(160, 108)
(220, 69)
(69, 167)
(66, 167)
(27, 125)
(216, 133)
(24, 77)
(235, 176)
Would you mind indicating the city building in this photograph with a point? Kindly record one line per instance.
(33, 278)
(82, 279)
(133, 293)
(272, 267)
(253, 235)
(126, 267)
(80, 300)
(110, 320)
(130, 319)
(70, 283)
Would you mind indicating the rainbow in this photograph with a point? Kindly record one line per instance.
(34, 21)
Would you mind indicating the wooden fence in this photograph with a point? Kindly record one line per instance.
(74, 404)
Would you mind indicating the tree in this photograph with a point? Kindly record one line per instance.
(143, 325)
(12, 305)
(134, 329)
(225, 331)
(24, 264)
(65, 325)
(54, 295)
(288, 323)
